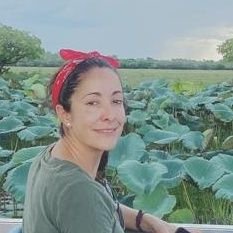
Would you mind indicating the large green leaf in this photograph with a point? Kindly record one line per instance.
(4, 112)
(137, 117)
(16, 181)
(175, 172)
(48, 120)
(161, 137)
(175, 101)
(193, 140)
(229, 101)
(141, 178)
(202, 100)
(3, 83)
(224, 187)
(10, 124)
(34, 132)
(157, 203)
(144, 129)
(202, 171)
(178, 128)
(158, 155)
(26, 153)
(193, 122)
(23, 106)
(135, 104)
(225, 161)
(162, 120)
(24, 109)
(4, 104)
(6, 167)
(5, 153)
(129, 147)
(221, 112)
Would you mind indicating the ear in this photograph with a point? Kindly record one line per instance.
(62, 114)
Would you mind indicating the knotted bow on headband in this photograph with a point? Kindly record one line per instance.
(74, 58)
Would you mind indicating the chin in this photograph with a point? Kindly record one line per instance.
(107, 146)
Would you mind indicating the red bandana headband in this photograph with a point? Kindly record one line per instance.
(74, 58)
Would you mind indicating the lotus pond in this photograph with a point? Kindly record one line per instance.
(174, 159)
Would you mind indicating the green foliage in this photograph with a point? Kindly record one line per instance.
(175, 150)
(226, 49)
(150, 63)
(16, 181)
(141, 178)
(129, 147)
(202, 171)
(158, 203)
(47, 59)
(10, 124)
(16, 45)
(182, 216)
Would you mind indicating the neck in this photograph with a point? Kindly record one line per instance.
(85, 157)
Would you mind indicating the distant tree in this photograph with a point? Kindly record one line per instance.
(16, 45)
(226, 49)
(48, 59)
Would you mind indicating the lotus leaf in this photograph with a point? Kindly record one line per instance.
(178, 128)
(137, 117)
(203, 171)
(34, 132)
(10, 124)
(161, 137)
(175, 172)
(129, 147)
(16, 181)
(141, 178)
(25, 154)
(135, 104)
(144, 129)
(225, 161)
(221, 112)
(193, 140)
(157, 203)
(224, 187)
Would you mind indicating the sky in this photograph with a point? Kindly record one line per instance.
(160, 29)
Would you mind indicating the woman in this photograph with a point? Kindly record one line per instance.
(62, 194)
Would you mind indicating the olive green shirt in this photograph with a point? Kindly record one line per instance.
(62, 198)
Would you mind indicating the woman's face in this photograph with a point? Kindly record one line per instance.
(97, 113)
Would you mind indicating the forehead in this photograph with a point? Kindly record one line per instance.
(99, 80)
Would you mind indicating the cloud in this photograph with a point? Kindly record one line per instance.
(150, 28)
(199, 44)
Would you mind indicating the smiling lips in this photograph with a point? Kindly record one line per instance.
(107, 130)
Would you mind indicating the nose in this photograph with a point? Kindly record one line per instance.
(108, 113)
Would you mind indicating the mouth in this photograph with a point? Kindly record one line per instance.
(106, 130)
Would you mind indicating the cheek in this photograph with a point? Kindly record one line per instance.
(121, 115)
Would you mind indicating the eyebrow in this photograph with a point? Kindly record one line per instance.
(99, 94)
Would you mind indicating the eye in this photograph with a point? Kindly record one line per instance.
(118, 101)
(92, 103)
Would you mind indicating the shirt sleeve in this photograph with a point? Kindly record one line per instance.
(85, 208)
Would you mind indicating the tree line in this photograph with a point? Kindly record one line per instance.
(49, 59)
(20, 48)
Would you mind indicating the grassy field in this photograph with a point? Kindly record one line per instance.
(133, 77)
